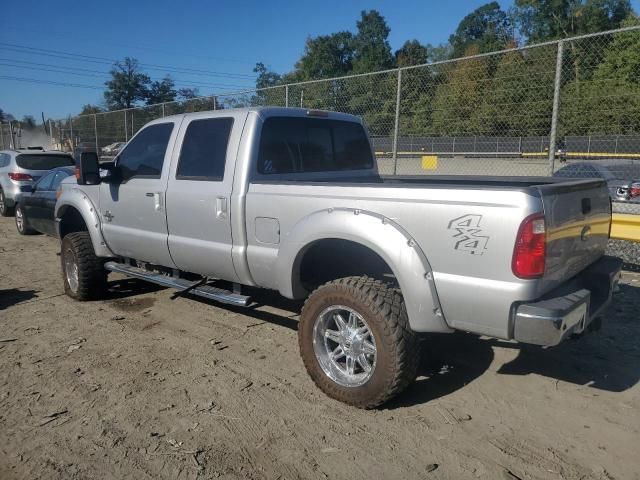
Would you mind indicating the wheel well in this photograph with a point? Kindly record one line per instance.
(330, 259)
(71, 221)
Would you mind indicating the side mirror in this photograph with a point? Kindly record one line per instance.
(88, 170)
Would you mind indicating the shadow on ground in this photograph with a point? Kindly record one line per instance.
(608, 359)
(13, 296)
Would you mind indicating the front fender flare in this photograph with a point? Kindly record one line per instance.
(383, 236)
(78, 200)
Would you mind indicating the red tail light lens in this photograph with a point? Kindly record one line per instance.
(20, 177)
(634, 190)
(529, 253)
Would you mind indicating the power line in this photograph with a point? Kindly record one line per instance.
(103, 60)
(45, 67)
(48, 82)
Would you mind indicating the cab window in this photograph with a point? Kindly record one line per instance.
(143, 157)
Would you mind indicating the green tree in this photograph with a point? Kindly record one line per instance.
(88, 109)
(609, 102)
(326, 56)
(541, 20)
(188, 93)
(372, 51)
(460, 97)
(127, 86)
(161, 91)
(487, 27)
(266, 77)
(411, 53)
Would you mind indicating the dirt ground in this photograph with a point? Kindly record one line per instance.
(142, 386)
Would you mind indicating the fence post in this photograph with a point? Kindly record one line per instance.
(95, 129)
(286, 96)
(396, 127)
(126, 133)
(215, 103)
(73, 143)
(2, 135)
(301, 97)
(556, 106)
(163, 111)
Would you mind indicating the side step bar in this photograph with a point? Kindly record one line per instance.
(206, 291)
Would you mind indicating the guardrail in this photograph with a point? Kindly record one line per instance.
(625, 227)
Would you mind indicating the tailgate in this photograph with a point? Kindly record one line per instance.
(578, 217)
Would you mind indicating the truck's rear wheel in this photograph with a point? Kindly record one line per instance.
(83, 273)
(356, 343)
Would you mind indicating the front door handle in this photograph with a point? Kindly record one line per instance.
(221, 207)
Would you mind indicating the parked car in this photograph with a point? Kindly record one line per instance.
(622, 177)
(22, 168)
(35, 205)
(291, 200)
(112, 149)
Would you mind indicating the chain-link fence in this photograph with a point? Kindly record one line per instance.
(564, 107)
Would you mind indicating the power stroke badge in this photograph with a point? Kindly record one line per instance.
(468, 234)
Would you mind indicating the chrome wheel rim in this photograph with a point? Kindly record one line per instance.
(1, 201)
(344, 346)
(71, 271)
(19, 220)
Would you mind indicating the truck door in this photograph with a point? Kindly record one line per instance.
(134, 222)
(199, 191)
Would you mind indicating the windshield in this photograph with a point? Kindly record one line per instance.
(43, 162)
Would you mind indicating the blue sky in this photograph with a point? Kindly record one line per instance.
(226, 37)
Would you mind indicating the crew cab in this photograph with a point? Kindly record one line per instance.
(292, 200)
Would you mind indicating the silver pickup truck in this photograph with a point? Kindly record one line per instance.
(291, 200)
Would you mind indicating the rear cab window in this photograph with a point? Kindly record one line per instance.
(304, 145)
(31, 161)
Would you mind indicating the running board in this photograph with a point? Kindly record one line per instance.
(206, 291)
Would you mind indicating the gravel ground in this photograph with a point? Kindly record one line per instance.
(629, 252)
(142, 386)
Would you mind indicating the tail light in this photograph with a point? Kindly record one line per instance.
(634, 190)
(20, 177)
(76, 172)
(529, 253)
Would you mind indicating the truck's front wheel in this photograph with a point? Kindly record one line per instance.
(83, 273)
(356, 343)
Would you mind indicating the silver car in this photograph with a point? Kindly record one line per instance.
(20, 169)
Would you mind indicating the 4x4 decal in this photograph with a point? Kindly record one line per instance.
(468, 234)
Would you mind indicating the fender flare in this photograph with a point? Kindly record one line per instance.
(381, 235)
(78, 200)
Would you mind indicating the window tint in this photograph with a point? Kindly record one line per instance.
(144, 155)
(45, 182)
(4, 160)
(31, 161)
(291, 145)
(204, 149)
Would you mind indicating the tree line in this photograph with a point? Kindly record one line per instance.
(509, 94)
(506, 94)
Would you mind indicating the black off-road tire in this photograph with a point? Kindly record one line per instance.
(5, 211)
(92, 276)
(398, 347)
(26, 228)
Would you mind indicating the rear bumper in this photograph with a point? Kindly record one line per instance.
(569, 309)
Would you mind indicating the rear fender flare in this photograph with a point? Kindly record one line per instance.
(383, 236)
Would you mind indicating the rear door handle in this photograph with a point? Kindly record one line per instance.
(221, 207)
(158, 204)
